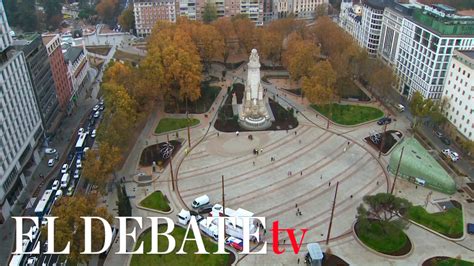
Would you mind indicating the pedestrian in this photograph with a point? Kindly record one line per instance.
(298, 210)
(284, 241)
(321, 177)
(264, 231)
(300, 213)
(296, 213)
(348, 143)
(296, 205)
(298, 260)
(218, 134)
(416, 187)
(253, 163)
(287, 131)
(377, 183)
(329, 183)
(351, 196)
(299, 141)
(301, 173)
(295, 133)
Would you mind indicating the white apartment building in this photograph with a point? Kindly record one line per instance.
(428, 38)
(306, 9)
(459, 92)
(20, 121)
(187, 8)
(78, 69)
(390, 36)
(253, 9)
(148, 12)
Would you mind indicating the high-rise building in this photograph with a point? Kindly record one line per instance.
(20, 121)
(459, 93)
(253, 9)
(42, 78)
(148, 12)
(78, 69)
(428, 38)
(59, 69)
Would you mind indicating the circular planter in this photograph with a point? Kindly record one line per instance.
(390, 256)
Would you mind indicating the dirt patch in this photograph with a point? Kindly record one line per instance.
(155, 153)
(333, 260)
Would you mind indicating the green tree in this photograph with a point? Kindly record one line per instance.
(69, 227)
(127, 19)
(52, 9)
(210, 12)
(107, 10)
(123, 203)
(22, 14)
(420, 107)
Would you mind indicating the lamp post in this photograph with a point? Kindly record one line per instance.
(396, 173)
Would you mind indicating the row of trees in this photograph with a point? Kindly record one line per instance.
(24, 15)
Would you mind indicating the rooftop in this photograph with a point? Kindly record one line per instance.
(73, 53)
(468, 53)
(444, 24)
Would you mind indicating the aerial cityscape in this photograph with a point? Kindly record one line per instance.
(250, 132)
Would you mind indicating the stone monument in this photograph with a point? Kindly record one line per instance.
(254, 113)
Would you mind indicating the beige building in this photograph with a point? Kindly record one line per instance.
(148, 12)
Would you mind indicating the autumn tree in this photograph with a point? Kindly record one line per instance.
(107, 10)
(318, 87)
(127, 19)
(420, 107)
(100, 164)
(210, 12)
(245, 31)
(52, 10)
(332, 38)
(69, 226)
(226, 30)
(300, 57)
(270, 44)
(209, 43)
(382, 79)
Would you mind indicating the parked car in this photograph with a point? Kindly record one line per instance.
(93, 133)
(79, 163)
(445, 140)
(102, 108)
(438, 134)
(470, 228)
(51, 162)
(235, 243)
(64, 168)
(34, 231)
(205, 209)
(58, 194)
(55, 185)
(97, 114)
(384, 121)
(200, 201)
(32, 261)
(81, 130)
(454, 156)
(50, 151)
(96, 107)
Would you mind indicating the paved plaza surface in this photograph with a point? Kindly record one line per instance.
(307, 159)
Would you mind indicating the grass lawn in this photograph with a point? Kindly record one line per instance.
(390, 241)
(453, 262)
(173, 259)
(157, 201)
(169, 124)
(348, 114)
(448, 223)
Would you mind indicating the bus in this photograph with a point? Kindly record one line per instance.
(43, 205)
(17, 259)
(81, 143)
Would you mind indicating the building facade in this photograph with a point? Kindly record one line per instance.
(253, 9)
(20, 121)
(78, 69)
(59, 71)
(459, 93)
(306, 9)
(42, 78)
(148, 12)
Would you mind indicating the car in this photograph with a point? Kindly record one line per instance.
(93, 133)
(97, 114)
(78, 163)
(58, 194)
(81, 130)
(34, 231)
(50, 151)
(101, 102)
(70, 156)
(64, 168)
(384, 121)
(470, 228)
(235, 243)
(70, 191)
(438, 134)
(77, 173)
(51, 162)
(102, 108)
(454, 156)
(86, 149)
(96, 107)
(445, 140)
(55, 185)
(205, 209)
(32, 261)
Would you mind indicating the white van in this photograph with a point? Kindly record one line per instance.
(202, 200)
(400, 108)
(65, 180)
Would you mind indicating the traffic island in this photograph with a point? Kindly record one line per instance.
(389, 139)
(445, 261)
(172, 258)
(156, 201)
(387, 240)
